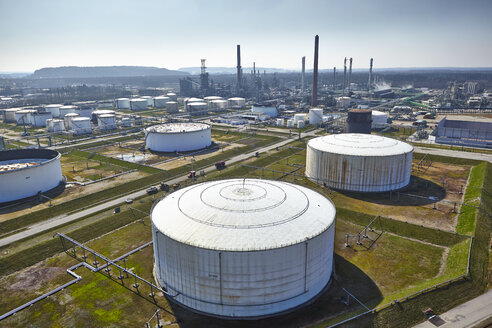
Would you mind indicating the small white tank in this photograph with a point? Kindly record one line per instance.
(172, 96)
(9, 115)
(123, 103)
(236, 102)
(68, 120)
(211, 98)
(290, 123)
(24, 116)
(300, 124)
(126, 122)
(160, 102)
(149, 99)
(217, 104)
(138, 104)
(280, 122)
(188, 101)
(316, 116)
(195, 107)
(172, 107)
(64, 110)
(106, 122)
(81, 125)
(57, 125)
(39, 119)
(299, 117)
(54, 109)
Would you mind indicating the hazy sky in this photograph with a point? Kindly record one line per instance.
(274, 33)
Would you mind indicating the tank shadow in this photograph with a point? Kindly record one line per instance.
(28, 202)
(210, 149)
(328, 304)
(418, 192)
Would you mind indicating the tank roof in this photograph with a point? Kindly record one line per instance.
(243, 214)
(177, 127)
(360, 144)
(360, 110)
(40, 156)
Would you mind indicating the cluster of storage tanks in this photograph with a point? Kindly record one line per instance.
(169, 101)
(216, 103)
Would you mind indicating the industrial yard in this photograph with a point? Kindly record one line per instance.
(340, 190)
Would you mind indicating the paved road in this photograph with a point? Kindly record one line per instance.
(455, 153)
(62, 219)
(475, 313)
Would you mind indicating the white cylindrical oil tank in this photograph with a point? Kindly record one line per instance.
(195, 107)
(280, 122)
(95, 114)
(299, 117)
(54, 109)
(217, 104)
(9, 115)
(64, 110)
(138, 104)
(123, 103)
(58, 125)
(343, 102)
(265, 109)
(27, 172)
(379, 119)
(187, 101)
(68, 120)
(300, 124)
(85, 112)
(106, 122)
(126, 122)
(316, 116)
(210, 98)
(172, 107)
(359, 162)
(24, 116)
(149, 99)
(243, 248)
(39, 119)
(236, 102)
(172, 96)
(81, 125)
(171, 137)
(160, 102)
(290, 123)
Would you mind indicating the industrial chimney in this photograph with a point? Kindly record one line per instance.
(303, 74)
(369, 84)
(344, 74)
(350, 73)
(334, 78)
(314, 100)
(239, 69)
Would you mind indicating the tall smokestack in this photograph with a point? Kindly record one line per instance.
(254, 69)
(334, 78)
(344, 74)
(369, 84)
(350, 73)
(314, 100)
(239, 70)
(303, 74)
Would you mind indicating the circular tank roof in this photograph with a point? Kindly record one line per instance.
(378, 113)
(360, 144)
(243, 215)
(39, 156)
(177, 127)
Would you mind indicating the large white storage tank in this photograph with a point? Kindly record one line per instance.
(160, 102)
(379, 119)
(243, 248)
(299, 117)
(218, 104)
(39, 119)
(123, 103)
(236, 102)
(81, 125)
(95, 114)
(195, 107)
(138, 104)
(68, 120)
(55, 125)
(172, 95)
(9, 115)
(27, 172)
(24, 116)
(211, 98)
(316, 116)
(149, 99)
(172, 107)
(359, 162)
(171, 137)
(187, 101)
(54, 109)
(265, 109)
(106, 122)
(64, 110)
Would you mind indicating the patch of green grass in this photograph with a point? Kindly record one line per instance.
(467, 216)
(446, 159)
